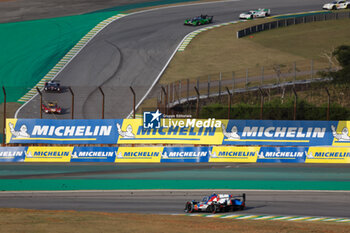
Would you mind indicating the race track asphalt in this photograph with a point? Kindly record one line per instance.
(66, 184)
(133, 50)
(299, 203)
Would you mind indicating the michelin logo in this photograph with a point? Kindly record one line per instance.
(126, 134)
(92, 154)
(184, 154)
(343, 136)
(230, 135)
(327, 155)
(280, 155)
(21, 133)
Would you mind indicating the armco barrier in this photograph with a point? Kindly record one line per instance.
(179, 131)
(177, 154)
(292, 21)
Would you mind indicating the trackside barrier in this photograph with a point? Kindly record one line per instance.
(292, 21)
(211, 154)
(178, 131)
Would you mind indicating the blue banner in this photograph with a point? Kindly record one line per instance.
(94, 154)
(13, 154)
(282, 155)
(62, 131)
(280, 133)
(185, 154)
(179, 131)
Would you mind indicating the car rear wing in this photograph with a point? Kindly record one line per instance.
(242, 196)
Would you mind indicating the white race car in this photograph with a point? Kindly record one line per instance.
(259, 13)
(336, 5)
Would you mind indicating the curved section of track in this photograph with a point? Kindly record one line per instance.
(146, 41)
(304, 203)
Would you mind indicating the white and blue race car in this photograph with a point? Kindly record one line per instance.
(216, 203)
(259, 13)
(335, 5)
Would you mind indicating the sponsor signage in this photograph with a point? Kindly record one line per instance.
(234, 154)
(94, 154)
(155, 129)
(328, 155)
(288, 133)
(12, 154)
(185, 154)
(139, 154)
(172, 131)
(281, 155)
(48, 154)
(62, 131)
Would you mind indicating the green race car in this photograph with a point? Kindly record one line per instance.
(199, 20)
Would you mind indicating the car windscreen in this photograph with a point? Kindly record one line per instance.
(205, 199)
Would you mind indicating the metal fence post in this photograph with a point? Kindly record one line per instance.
(41, 102)
(4, 117)
(208, 86)
(173, 92)
(261, 103)
(295, 71)
(188, 89)
(103, 102)
(220, 77)
(295, 104)
(233, 81)
(165, 100)
(72, 106)
(197, 105)
(312, 68)
(328, 103)
(229, 103)
(179, 90)
(134, 102)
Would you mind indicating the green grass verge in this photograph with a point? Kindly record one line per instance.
(218, 50)
(31, 48)
(121, 184)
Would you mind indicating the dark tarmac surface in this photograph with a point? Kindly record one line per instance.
(300, 203)
(21, 10)
(261, 202)
(133, 51)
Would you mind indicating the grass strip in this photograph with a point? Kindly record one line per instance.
(128, 184)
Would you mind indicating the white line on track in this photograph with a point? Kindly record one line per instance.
(100, 29)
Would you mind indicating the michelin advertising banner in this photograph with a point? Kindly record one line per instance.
(179, 131)
(215, 154)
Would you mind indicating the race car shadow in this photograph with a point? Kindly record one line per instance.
(254, 207)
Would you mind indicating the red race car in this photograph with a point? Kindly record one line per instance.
(51, 107)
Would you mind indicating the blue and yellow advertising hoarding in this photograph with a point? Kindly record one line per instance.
(180, 131)
(212, 154)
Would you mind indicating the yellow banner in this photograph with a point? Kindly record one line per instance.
(328, 155)
(172, 131)
(48, 154)
(139, 155)
(10, 130)
(234, 154)
(341, 134)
